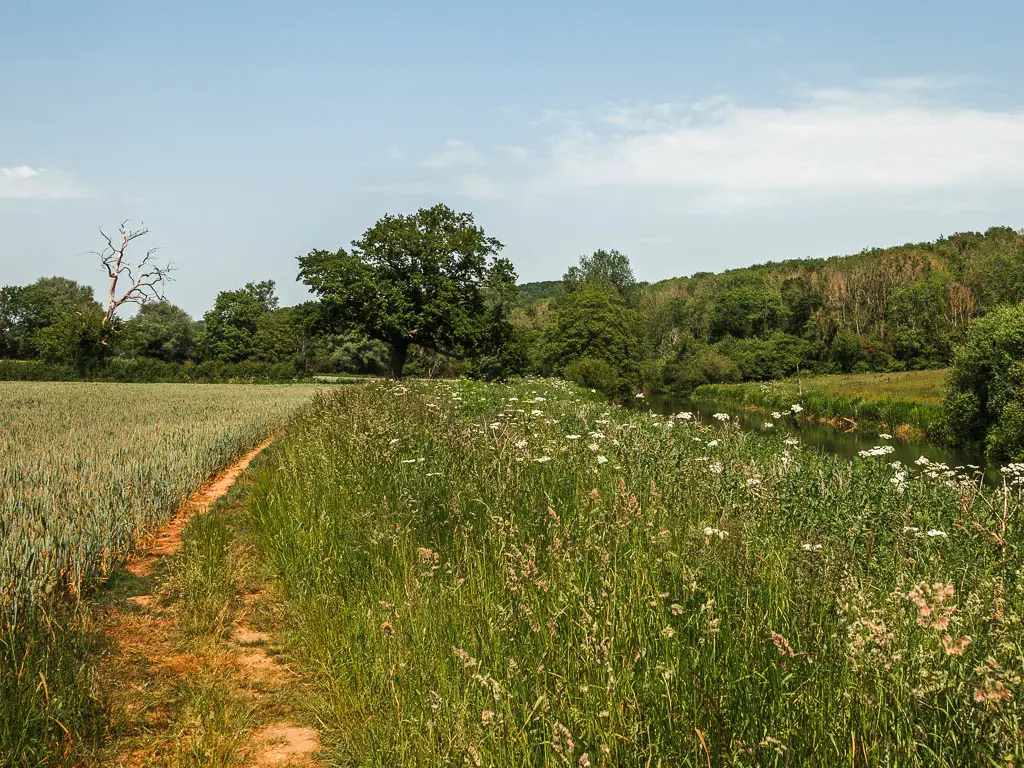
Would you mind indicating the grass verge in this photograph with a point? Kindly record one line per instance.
(522, 575)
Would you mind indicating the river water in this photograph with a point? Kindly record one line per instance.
(822, 437)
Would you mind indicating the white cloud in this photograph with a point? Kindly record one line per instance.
(454, 154)
(19, 172)
(886, 138)
(23, 181)
(395, 152)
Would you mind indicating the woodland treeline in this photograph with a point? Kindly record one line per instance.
(885, 309)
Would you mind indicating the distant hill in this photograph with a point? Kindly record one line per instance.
(544, 289)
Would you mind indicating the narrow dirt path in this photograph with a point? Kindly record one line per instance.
(162, 679)
(167, 540)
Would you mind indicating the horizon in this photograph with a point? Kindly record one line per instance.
(692, 140)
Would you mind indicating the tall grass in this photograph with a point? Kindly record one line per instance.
(86, 470)
(521, 575)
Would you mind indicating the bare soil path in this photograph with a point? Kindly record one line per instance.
(179, 698)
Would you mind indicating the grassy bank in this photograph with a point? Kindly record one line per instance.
(903, 403)
(87, 470)
(522, 575)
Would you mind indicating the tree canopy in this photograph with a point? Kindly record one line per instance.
(161, 331)
(610, 268)
(231, 326)
(432, 278)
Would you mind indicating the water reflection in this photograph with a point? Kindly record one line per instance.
(821, 437)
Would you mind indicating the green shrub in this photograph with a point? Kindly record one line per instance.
(697, 366)
(774, 357)
(984, 397)
(592, 373)
(145, 370)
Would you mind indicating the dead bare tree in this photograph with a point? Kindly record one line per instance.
(147, 278)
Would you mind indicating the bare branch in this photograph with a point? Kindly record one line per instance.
(145, 279)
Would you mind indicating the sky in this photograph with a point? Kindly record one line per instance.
(690, 136)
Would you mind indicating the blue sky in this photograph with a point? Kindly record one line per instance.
(691, 136)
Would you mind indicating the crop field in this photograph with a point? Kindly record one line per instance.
(889, 400)
(86, 470)
(522, 574)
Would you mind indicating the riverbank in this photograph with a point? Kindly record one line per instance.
(906, 404)
(522, 574)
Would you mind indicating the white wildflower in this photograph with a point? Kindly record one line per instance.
(878, 450)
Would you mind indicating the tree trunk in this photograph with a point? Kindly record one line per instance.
(399, 353)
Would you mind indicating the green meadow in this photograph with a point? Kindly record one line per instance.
(523, 575)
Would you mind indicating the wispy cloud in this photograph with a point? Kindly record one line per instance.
(516, 154)
(467, 185)
(887, 137)
(900, 139)
(23, 181)
(455, 153)
(477, 185)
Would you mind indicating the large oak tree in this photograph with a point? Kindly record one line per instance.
(432, 278)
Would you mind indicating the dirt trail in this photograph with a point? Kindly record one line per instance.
(152, 662)
(167, 540)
